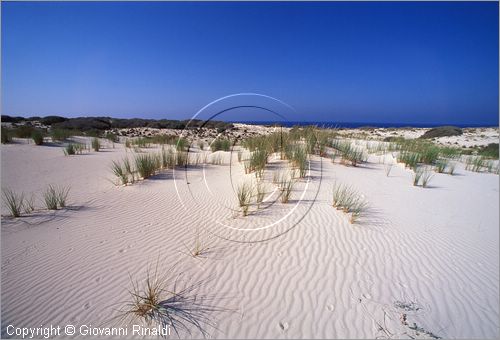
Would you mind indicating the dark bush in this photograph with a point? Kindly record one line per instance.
(6, 136)
(24, 131)
(60, 134)
(9, 119)
(37, 136)
(490, 151)
(49, 120)
(442, 131)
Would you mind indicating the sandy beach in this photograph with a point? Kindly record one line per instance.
(422, 262)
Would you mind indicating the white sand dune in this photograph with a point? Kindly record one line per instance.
(431, 254)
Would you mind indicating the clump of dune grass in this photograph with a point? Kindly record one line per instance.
(195, 159)
(409, 158)
(261, 192)
(159, 301)
(429, 154)
(286, 189)
(146, 165)
(141, 142)
(13, 201)
(170, 158)
(96, 144)
(55, 196)
(181, 144)
(349, 154)
(220, 144)
(474, 163)
(299, 160)
(348, 200)
(258, 160)
(120, 172)
(441, 165)
(73, 149)
(244, 193)
(426, 177)
(6, 136)
(422, 174)
(50, 198)
(60, 135)
(417, 175)
(201, 145)
(240, 155)
(69, 149)
(199, 247)
(181, 157)
(37, 137)
(127, 166)
(128, 143)
(29, 205)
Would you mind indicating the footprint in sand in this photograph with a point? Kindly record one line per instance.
(330, 308)
(98, 279)
(283, 326)
(122, 251)
(87, 305)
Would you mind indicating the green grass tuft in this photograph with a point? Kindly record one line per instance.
(244, 194)
(348, 200)
(13, 201)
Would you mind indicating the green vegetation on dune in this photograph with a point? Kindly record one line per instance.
(442, 131)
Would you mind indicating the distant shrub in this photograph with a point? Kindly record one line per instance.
(220, 144)
(24, 131)
(490, 151)
(181, 144)
(111, 137)
(49, 120)
(60, 135)
(442, 131)
(6, 136)
(37, 137)
(96, 144)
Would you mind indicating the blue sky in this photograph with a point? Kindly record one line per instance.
(346, 62)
